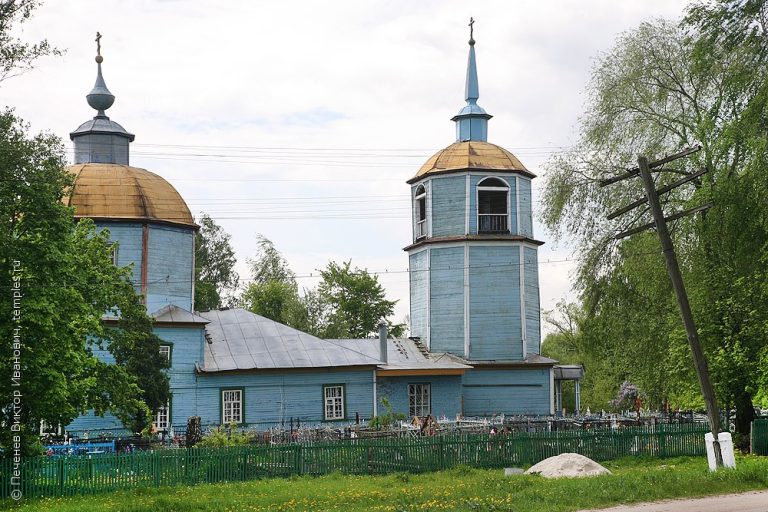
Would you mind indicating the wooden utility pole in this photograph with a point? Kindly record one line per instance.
(660, 222)
(699, 361)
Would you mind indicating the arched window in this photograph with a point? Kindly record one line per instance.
(420, 212)
(492, 206)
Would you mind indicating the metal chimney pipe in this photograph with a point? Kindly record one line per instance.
(383, 341)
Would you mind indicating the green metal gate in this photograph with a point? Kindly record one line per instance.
(759, 441)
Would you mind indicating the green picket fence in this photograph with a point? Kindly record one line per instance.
(759, 440)
(67, 476)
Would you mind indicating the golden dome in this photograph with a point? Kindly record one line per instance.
(121, 192)
(471, 155)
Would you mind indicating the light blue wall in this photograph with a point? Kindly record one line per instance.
(526, 209)
(169, 263)
(508, 391)
(447, 300)
(419, 277)
(448, 206)
(273, 398)
(169, 272)
(187, 345)
(186, 350)
(128, 238)
(532, 307)
(494, 303)
(446, 393)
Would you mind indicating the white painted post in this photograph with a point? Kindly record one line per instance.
(709, 442)
(726, 448)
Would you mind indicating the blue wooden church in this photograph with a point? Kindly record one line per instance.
(474, 293)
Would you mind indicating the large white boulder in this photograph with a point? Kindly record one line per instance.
(568, 465)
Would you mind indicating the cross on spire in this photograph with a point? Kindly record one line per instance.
(471, 30)
(98, 44)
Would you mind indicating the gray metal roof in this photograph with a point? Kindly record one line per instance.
(569, 372)
(241, 340)
(174, 314)
(405, 354)
(532, 360)
(101, 125)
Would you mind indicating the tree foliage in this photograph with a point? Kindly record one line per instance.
(66, 282)
(272, 291)
(357, 298)
(215, 275)
(348, 302)
(17, 56)
(662, 88)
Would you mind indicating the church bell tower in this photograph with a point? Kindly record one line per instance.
(474, 285)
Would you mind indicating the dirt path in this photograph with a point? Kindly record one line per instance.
(745, 502)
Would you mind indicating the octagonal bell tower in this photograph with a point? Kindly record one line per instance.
(474, 286)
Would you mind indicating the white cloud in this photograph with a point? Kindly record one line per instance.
(345, 77)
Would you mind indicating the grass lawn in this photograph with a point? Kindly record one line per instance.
(459, 489)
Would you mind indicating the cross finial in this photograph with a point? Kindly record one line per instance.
(99, 58)
(471, 30)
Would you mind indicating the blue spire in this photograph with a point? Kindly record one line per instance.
(472, 120)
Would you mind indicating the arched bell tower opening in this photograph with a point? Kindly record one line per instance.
(492, 206)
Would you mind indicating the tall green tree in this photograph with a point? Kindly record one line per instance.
(664, 87)
(357, 299)
(348, 302)
(58, 281)
(215, 277)
(272, 291)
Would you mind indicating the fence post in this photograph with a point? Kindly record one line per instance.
(442, 452)
(298, 459)
(62, 478)
(157, 468)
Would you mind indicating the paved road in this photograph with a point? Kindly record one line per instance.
(746, 502)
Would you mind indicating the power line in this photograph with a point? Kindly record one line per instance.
(499, 267)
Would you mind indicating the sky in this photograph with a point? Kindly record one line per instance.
(302, 120)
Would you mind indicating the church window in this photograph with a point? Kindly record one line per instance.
(419, 399)
(333, 397)
(420, 207)
(232, 406)
(492, 206)
(163, 417)
(113, 253)
(165, 352)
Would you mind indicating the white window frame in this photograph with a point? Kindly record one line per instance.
(113, 252)
(481, 188)
(419, 224)
(165, 350)
(420, 399)
(163, 417)
(333, 402)
(232, 406)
